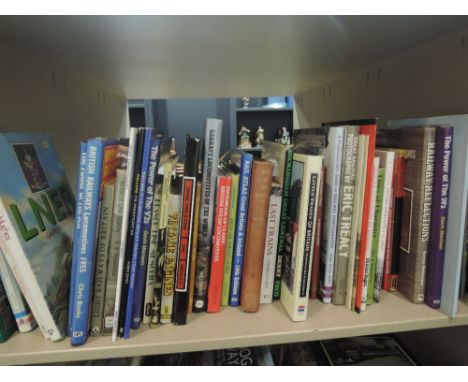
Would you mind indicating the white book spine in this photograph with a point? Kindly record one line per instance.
(333, 160)
(269, 258)
(370, 231)
(24, 319)
(387, 194)
(123, 238)
(19, 265)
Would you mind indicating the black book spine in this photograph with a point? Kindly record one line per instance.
(131, 229)
(181, 294)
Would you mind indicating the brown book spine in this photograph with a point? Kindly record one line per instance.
(193, 260)
(260, 188)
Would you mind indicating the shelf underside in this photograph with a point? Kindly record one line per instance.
(233, 328)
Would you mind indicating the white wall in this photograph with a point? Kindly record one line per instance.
(427, 81)
(34, 96)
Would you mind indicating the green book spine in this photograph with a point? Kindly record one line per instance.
(230, 240)
(282, 227)
(375, 235)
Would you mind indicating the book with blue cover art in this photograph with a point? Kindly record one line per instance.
(36, 226)
(242, 209)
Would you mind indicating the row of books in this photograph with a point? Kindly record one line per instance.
(345, 212)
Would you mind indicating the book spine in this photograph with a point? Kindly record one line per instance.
(23, 316)
(283, 224)
(370, 131)
(148, 180)
(315, 274)
(242, 210)
(100, 273)
(184, 264)
(384, 226)
(193, 260)
(364, 283)
(219, 244)
(18, 262)
(152, 255)
(120, 296)
(343, 247)
(330, 218)
(77, 231)
(378, 215)
(167, 300)
(262, 173)
(7, 321)
(114, 246)
(439, 215)
(161, 247)
(392, 252)
(271, 245)
(83, 278)
(213, 129)
(230, 240)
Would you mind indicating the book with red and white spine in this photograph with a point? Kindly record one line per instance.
(219, 243)
(369, 130)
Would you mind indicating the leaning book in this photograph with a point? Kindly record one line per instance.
(36, 226)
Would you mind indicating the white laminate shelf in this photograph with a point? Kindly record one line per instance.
(233, 328)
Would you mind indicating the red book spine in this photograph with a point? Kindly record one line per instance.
(219, 244)
(315, 276)
(371, 131)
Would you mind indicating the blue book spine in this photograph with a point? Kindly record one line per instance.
(241, 224)
(84, 275)
(140, 280)
(136, 250)
(77, 232)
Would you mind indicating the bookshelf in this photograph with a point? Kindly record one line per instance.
(79, 90)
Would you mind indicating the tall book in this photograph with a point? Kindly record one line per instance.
(419, 145)
(135, 141)
(193, 260)
(21, 311)
(260, 188)
(7, 320)
(167, 167)
(36, 226)
(458, 196)
(369, 130)
(345, 215)
(212, 138)
(271, 242)
(356, 225)
(223, 200)
(239, 243)
(114, 246)
(387, 160)
(439, 215)
(170, 256)
(234, 174)
(380, 179)
(303, 203)
(281, 155)
(110, 162)
(186, 237)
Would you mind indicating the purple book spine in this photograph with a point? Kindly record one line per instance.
(440, 192)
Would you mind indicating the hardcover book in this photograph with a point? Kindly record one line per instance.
(212, 138)
(303, 203)
(259, 199)
(419, 146)
(7, 320)
(36, 226)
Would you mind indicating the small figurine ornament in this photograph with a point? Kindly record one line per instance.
(245, 102)
(285, 140)
(260, 136)
(244, 134)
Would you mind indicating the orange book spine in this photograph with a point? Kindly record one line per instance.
(371, 131)
(259, 199)
(223, 199)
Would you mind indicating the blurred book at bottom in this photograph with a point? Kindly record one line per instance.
(246, 356)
